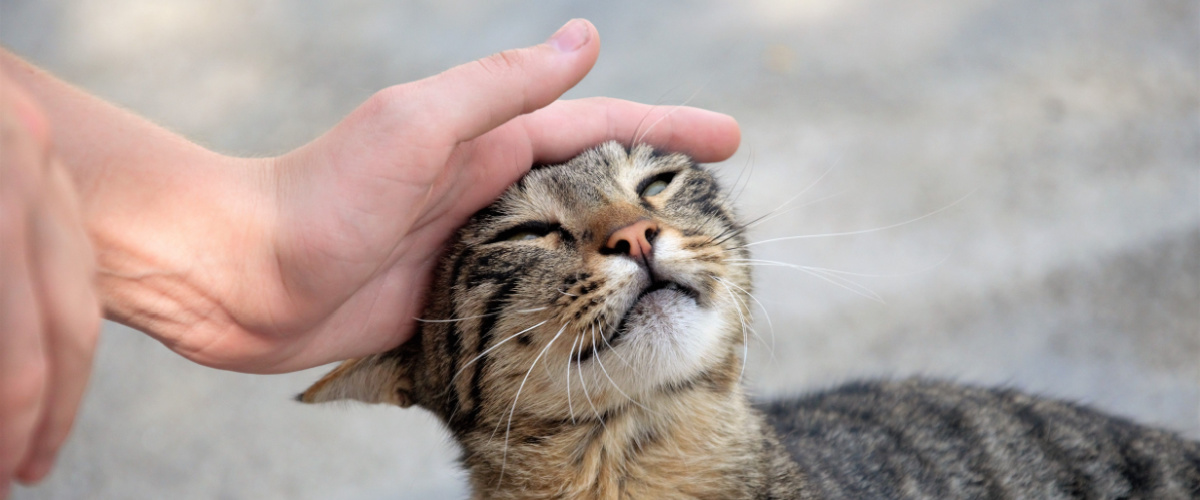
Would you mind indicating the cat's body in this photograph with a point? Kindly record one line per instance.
(926, 439)
(584, 338)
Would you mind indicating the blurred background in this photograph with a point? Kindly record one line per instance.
(1032, 168)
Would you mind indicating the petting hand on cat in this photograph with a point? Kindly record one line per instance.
(267, 264)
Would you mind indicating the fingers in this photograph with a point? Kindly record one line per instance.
(22, 357)
(471, 99)
(565, 128)
(22, 353)
(49, 314)
(70, 317)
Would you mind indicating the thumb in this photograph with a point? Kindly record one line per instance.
(468, 100)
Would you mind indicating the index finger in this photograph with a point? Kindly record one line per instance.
(566, 128)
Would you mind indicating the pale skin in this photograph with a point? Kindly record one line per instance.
(265, 265)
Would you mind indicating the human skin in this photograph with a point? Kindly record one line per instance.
(265, 265)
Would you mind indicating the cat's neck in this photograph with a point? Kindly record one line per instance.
(698, 444)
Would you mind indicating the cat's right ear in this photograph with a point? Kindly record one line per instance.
(374, 379)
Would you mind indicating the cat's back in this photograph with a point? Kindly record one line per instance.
(926, 439)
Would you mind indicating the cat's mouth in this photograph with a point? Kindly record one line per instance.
(640, 305)
(665, 285)
(656, 288)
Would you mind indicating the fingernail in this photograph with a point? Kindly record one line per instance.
(571, 36)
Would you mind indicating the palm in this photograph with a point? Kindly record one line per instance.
(360, 247)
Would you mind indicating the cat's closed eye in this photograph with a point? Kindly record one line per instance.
(525, 232)
(655, 185)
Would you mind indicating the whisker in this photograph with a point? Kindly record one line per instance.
(665, 115)
(610, 348)
(727, 234)
(596, 356)
(570, 407)
(490, 349)
(745, 340)
(846, 283)
(926, 269)
(749, 174)
(738, 180)
(508, 428)
(751, 329)
(661, 98)
(779, 210)
(766, 314)
(587, 396)
(862, 231)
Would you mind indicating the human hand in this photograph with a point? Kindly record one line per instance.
(49, 314)
(359, 215)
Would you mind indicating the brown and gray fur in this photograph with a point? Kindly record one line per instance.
(562, 363)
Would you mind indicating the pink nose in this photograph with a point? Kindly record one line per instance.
(633, 240)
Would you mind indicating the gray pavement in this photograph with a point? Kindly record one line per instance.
(1054, 147)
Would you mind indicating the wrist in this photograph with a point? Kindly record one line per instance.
(180, 244)
(183, 237)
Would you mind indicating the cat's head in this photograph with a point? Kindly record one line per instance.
(612, 280)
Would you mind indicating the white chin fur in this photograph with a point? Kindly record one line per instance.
(668, 339)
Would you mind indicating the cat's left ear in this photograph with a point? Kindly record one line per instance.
(380, 378)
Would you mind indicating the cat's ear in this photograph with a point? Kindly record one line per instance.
(373, 379)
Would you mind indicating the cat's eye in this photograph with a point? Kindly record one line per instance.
(524, 235)
(655, 185)
(525, 232)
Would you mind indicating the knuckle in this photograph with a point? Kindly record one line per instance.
(502, 62)
(379, 102)
(388, 104)
(401, 110)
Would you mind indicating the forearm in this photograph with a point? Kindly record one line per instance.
(94, 137)
(173, 224)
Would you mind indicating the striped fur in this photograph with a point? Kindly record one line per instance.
(934, 440)
(567, 368)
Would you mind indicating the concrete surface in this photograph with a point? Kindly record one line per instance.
(1069, 130)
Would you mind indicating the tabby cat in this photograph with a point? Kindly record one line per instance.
(585, 336)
